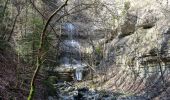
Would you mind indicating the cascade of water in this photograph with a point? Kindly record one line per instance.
(72, 46)
(71, 29)
(69, 43)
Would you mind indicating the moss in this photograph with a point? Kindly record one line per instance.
(98, 49)
(127, 5)
(31, 93)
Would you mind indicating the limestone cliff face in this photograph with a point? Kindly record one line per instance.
(139, 54)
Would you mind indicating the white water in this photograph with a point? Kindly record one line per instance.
(72, 45)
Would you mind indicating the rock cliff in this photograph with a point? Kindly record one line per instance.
(139, 54)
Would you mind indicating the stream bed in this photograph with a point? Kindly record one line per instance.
(68, 91)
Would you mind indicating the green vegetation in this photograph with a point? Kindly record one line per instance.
(4, 26)
(29, 43)
(126, 8)
(99, 50)
(99, 54)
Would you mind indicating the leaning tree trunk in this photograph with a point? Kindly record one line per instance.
(41, 52)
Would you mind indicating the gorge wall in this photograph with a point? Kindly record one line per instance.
(139, 54)
(130, 44)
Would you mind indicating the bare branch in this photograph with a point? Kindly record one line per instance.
(40, 50)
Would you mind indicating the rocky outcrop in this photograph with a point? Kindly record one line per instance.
(128, 26)
(139, 58)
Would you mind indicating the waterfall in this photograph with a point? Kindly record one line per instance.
(71, 30)
(71, 47)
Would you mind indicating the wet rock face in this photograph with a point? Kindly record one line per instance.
(71, 49)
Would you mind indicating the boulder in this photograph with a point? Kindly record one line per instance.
(128, 26)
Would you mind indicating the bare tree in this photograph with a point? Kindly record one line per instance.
(19, 6)
(41, 51)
